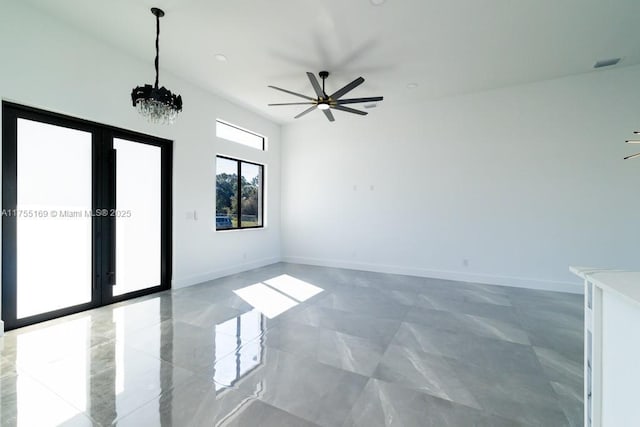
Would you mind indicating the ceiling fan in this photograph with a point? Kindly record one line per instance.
(326, 102)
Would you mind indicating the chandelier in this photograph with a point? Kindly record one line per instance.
(158, 105)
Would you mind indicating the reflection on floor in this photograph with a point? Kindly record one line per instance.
(292, 345)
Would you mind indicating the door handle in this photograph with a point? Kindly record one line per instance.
(111, 275)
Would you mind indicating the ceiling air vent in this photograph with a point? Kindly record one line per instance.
(606, 62)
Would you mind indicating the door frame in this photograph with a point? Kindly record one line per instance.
(103, 197)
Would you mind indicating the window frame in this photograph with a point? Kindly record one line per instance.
(225, 123)
(239, 194)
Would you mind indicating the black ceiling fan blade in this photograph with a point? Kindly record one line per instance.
(293, 93)
(316, 85)
(308, 110)
(340, 92)
(329, 115)
(292, 103)
(349, 110)
(358, 100)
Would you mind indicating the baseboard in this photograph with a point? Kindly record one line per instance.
(216, 274)
(518, 282)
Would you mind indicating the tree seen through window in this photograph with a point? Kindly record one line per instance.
(241, 181)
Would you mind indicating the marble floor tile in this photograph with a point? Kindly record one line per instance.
(468, 324)
(505, 313)
(59, 338)
(382, 404)
(377, 306)
(567, 342)
(537, 319)
(348, 352)
(7, 367)
(560, 369)
(378, 330)
(109, 381)
(570, 400)
(523, 397)
(208, 314)
(27, 402)
(490, 354)
(369, 349)
(546, 300)
(470, 294)
(182, 344)
(424, 372)
(319, 393)
(404, 297)
(198, 403)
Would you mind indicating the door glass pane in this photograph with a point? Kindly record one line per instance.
(138, 208)
(53, 218)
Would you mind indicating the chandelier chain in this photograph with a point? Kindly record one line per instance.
(157, 50)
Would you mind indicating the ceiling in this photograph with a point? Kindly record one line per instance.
(447, 47)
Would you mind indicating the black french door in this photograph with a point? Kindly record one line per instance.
(86, 215)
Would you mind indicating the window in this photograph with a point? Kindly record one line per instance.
(241, 136)
(239, 194)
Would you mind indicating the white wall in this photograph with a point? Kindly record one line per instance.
(521, 182)
(46, 64)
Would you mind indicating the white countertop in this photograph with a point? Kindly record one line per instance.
(624, 283)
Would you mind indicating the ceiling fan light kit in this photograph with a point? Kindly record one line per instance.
(325, 102)
(155, 103)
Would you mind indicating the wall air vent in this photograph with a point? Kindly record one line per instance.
(606, 62)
